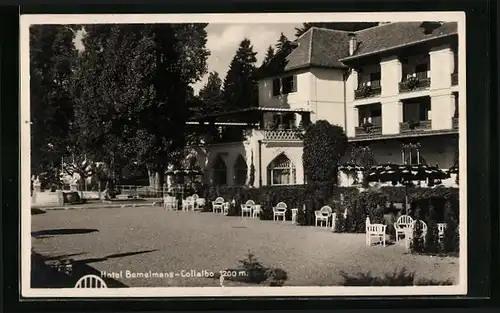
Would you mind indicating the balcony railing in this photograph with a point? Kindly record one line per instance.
(414, 126)
(283, 134)
(372, 130)
(415, 83)
(454, 122)
(367, 91)
(454, 79)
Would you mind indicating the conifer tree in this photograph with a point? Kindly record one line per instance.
(240, 88)
(282, 42)
(211, 94)
(269, 55)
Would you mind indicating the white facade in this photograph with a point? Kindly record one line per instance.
(335, 95)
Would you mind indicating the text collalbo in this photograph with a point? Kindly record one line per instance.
(127, 274)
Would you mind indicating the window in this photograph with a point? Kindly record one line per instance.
(372, 114)
(416, 111)
(276, 87)
(289, 84)
(240, 171)
(220, 171)
(284, 85)
(412, 156)
(421, 70)
(281, 171)
(375, 79)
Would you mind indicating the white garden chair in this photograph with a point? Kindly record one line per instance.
(170, 203)
(256, 211)
(188, 204)
(377, 231)
(279, 210)
(195, 198)
(200, 202)
(247, 208)
(323, 216)
(402, 225)
(217, 205)
(90, 281)
(294, 215)
(225, 208)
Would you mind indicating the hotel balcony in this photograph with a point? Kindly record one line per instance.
(454, 79)
(371, 89)
(283, 135)
(406, 127)
(418, 81)
(372, 130)
(455, 122)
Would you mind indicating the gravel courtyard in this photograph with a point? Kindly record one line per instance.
(145, 239)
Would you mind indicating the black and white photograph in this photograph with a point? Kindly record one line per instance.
(318, 154)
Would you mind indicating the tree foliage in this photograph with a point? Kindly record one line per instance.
(269, 55)
(345, 26)
(210, 95)
(324, 145)
(52, 56)
(132, 86)
(283, 41)
(240, 87)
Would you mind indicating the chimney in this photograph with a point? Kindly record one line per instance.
(352, 43)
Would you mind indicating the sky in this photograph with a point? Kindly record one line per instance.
(223, 41)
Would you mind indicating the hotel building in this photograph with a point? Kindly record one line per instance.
(386, 86)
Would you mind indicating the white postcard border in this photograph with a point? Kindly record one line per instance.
(282, 18)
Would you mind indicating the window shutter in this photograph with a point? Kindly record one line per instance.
(294, 83)
(276, 87)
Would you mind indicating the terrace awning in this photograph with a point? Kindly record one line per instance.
(243, 116)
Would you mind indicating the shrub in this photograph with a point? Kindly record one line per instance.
(72, 197)
(432, 237)
(340, 223)
(417, 244)
(301, 216)
(266, 214)
(397, 278)
(324, 145)
(451, 241)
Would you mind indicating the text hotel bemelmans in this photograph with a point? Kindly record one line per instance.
(127, 274)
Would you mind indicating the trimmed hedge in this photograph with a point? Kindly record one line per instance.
(434, 205)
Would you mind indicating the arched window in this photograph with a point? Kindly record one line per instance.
(240, 171)
(220, 171)
(281, 171)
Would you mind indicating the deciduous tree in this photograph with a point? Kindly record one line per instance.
(52, 56)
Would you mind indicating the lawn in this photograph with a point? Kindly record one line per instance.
(144, 239)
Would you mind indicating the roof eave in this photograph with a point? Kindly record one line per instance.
(355, 57)
(301, 67)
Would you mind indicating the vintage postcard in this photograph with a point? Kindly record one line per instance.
(182, 155)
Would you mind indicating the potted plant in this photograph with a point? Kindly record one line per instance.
(367, 127)
(366, 90)
(412, 124)
(412, 82)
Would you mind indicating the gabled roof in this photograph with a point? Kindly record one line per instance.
(321, 47)
(398, 34)
(318, 47)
